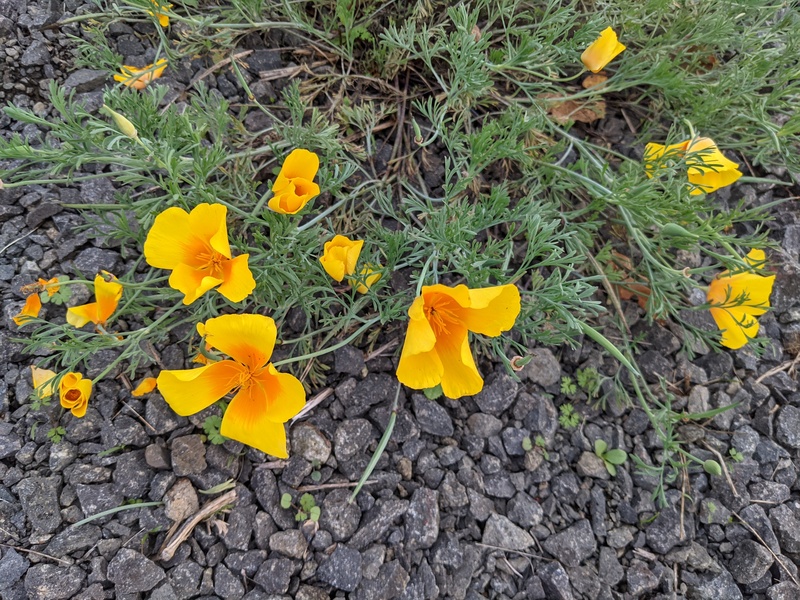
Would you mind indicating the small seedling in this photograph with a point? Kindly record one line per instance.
(568, 418)
(611, 458)
(433, 393)
(56, 434)
(316, 475)
(568, 386)
(111, 450)
(589, 381)
(736, 456)
(212, 424)
(308, 508)
(527, 444)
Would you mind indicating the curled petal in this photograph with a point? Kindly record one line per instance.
(602, 51)
(192, 282)
(30, 310)
(43, 380)
(190, 391)
(460, 374)
(340, 256)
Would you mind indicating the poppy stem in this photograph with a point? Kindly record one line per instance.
(376, 456)
(333, 348)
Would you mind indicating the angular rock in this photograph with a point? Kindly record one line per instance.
(664, 532)
(555, 582)
(497, 396)
(349, 360)
(500, 531)
(711, 586)
(422, 519)
(750, 562)
(787, 426)
(241, 523)
(85, 80)
(226, 584)
(275, 575)
(524, 511)
(39, 499)
(787, 528)
(572, 545)
(52, 582)
(73, 538)
(351, 437)
(188, 455)
(12, 567)
(342, 570)
(291, 543)
(132, 572)
(640, 579)
(339, 516)
(180, 501)
(543, 368)
(484, 426)
(785, 590)
(377, 521)
(609, 567)
(431, 416)
(310, 443)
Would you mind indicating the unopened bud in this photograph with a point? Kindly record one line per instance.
(125, 126)
(418, 139)
(675, 230)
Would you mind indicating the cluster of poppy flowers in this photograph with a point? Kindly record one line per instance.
(194, 246)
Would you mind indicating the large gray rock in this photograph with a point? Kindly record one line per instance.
(750, 562)
(500, 531)
(342, 570)
(39, 499)
(133, 572)
(53, 582)
(12, 568)
(422, 519)
(573, 545)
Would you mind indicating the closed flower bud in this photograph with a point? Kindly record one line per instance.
(125, 126)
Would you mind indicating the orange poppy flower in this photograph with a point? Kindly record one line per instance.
(194, 246)
(74, 392)
(436, 349)
(708, 169)
(264, 398)
(294, 186)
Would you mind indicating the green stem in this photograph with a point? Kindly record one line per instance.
(333, 348)
(381, 447)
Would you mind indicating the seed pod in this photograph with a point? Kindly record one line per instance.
(125, 126)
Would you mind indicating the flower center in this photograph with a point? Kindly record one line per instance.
(441, 317)
(73, 395)
(211, 261)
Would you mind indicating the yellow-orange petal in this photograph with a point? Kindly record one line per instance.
(300, 163)
(460, 376)
(756, 258)
(293, 198)
(139, 78)
(602, 51)
(169, 241)
(419, 367)
(107, 294)
(74, 392)
(246, 422)
(492, 310)
(78, 316)
(248, 339)
(208, 223)
(238, 282)
(284, 394)
(147, 385)
(192, 390)
(50, 286)
(43, 380)
(191, 282)
(30, 310)
(369, 276)
(737, 328)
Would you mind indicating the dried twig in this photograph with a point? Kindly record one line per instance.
(332, 486)
(171, 544)
(520, 552)
(788, 365)
(724, 469)
(760, 539)
(202, 75)
(312, 403)
(42, 554)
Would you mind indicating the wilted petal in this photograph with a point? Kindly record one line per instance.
(192, 390)
(245, 421)
(107, 294)
(30, 310)
(43, 380)
(147, 385)
(602, 51)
